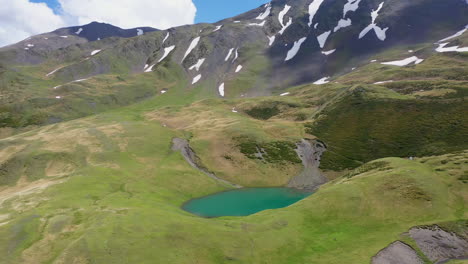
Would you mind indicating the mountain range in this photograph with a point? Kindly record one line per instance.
(106, 132)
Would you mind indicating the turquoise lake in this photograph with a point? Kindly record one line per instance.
(243, 202)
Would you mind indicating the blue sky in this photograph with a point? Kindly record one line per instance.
(208, 11)
(215, 10)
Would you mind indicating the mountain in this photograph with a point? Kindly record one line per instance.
(323, 34)
(362, 102)
(34, 50)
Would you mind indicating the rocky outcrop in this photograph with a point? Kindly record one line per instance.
(311, 177)
(182, 145)
(397, 253)
(439, 245)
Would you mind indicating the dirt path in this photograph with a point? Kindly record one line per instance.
(26, 188)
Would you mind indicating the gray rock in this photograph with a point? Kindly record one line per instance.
(439, 245)
(397, 253)
(311, 177)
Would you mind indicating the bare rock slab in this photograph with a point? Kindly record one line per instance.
(397, 253)
(439, 245)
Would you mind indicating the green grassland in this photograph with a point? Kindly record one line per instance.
(122, 191)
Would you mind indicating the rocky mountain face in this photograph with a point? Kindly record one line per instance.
(36, 49)
(282, 43)
(261, 52)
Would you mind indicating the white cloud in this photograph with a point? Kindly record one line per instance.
(160, 14)
(20, 19)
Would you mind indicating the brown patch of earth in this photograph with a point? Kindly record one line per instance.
(24, 188)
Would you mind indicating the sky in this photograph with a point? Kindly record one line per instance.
(210, 11)
(20, 19)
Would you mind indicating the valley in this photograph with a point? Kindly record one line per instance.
(105, 142)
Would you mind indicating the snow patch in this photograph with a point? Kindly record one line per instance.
(351, 5)
(313, 8)
(196, 79)
(239, 68)
(229, 54)
(257, 24)
(30, 45)
(373, 60)
(54, 71)
(265, 14)
(79, 31)
(237, 21)
(58, 97)
(342, 24)
(316, 25)
(282, 13)
(192, 45)
(286, 26)
(150, 68)
(166, 52)
(375, 13)
(442, 48)
(324, 80)
(221, 89)
(328, 52)
(323, 38)
(236, 55)
(217, 28)
(79, 80)
(140, 32)
(234, 110)
(197, 65)
(271, 40)
(94, 52)
(165, 38)
(382, 82)
(459, 33)
(410, 51)
(381, 33)
(284, 94)
(404, 62)
(295, 49)
(64, 36)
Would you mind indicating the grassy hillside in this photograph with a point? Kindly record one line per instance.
(360, 129)
(115, 197)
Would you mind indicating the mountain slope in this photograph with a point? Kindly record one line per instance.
(36, 49)
(237, 50)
